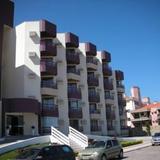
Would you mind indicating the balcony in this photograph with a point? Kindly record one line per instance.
(110, 115)
(110, 127)
(106, 56)
(47, 48)
(71, 40)
(142, 118)
(49, 89)
(74, 93)
(108, 85)
(48, 68)
(109, 99)
(107, 71)
(119, 75)
(90, 49)
(73, 74)
(120, 88)
(121, 101)
(75, 113)
(92, 81)
(96, 128)
(50, 111)
(91, 63)
(73, 58)
(94, 97)
(95, 114)
(47, 29)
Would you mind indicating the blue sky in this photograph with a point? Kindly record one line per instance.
(128, 29)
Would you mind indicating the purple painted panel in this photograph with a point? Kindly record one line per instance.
(71, 40)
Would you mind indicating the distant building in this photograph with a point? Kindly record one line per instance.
(147, 118)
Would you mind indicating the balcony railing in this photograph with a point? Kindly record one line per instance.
(109, 97)
(48, 68)
(108, 85)
(93, 81)
(121, 101)
(50, 110)
(45, 84)
(96, 128)
(95, 111)
(120, 86)
(74, 70)
(107, 71)
(47, 48)
(110, 115)
(91, 60)
(74, 93)
(106, 56)
(75, 113)
(73, 58)
(71, 40)
(94, 97)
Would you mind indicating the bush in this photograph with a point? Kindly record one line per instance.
(130, 143)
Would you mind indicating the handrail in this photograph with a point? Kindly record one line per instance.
(59, 136)
(82, 138)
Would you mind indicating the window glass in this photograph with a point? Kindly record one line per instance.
(109, 143)
(66, 149)
(115, 142)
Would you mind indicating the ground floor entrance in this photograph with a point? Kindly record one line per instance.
(14, 125)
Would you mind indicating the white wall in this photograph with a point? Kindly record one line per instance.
(84, 89)
(102, 99)
(117, 122)
(62, 86)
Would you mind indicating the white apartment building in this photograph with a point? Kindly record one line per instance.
(50, 79)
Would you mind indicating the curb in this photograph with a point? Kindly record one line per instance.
(133, 148)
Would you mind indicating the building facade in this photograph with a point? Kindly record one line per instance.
(147, 119)
(51, 79)
(6, 24)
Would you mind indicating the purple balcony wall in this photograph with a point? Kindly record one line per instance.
(21, 105)
(107, 71)
(106, 56)
(71, 40)
(74, 93)
(93, 81)
(73, 58)
(48, 68)
(75, 113)
(119, 75)
(94, 97)
(108, 85)
(47, 48)
(47, 29)
(110, 115)
(53, 111)
(91, 49)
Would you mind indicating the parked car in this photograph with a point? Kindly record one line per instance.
(102, 150)
(52, 152)
(156, 139)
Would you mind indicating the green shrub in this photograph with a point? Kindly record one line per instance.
(130, 143)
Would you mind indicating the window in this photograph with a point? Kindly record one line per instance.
(73, 104)
(72, 86)
(115, 142)
(92, 107)
(48, 103)
(49, 121)
(109, 143)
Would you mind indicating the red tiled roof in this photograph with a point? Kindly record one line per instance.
(153, 105)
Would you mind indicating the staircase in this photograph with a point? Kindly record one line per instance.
(75, 139)
(78, 141)
(58, 137)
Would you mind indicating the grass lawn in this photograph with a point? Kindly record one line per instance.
(13, 154)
